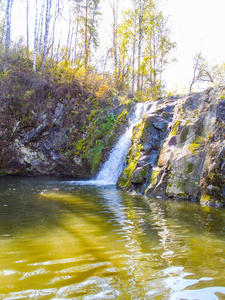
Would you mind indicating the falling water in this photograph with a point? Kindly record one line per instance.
(113, 167)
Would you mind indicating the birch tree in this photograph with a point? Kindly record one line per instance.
(47, 24)
(8, 26)
(114, 6)
(27, 18)
(140, 11)
(40, 29)
(144, 45)
(35, 38)
(91, 31)
(127, 44)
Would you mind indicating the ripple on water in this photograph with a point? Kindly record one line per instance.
(100, 243)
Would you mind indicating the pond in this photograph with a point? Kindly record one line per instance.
(62, 239)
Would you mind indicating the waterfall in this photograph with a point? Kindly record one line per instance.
(114, 166)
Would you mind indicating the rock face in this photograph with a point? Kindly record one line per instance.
(64, 139)
(179, 150)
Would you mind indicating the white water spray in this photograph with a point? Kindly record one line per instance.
(114, 166)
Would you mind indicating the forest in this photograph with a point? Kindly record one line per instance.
(67, 36)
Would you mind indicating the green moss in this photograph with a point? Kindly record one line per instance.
(166, 115)
(145, 171)
(103, 126)
(205, 198)
(133, 156)
(125, 179)
(125, 101)
(222, 96)
(93, 114)
(189, 168)
(96, 158)
(197, 145)
(180, 185)
(122, 117)
(196, 112)
(154, 177)
(175, 128)
(184, 135)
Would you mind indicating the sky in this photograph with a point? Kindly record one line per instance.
(196, 25)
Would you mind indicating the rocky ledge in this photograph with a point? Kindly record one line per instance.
(178, 151)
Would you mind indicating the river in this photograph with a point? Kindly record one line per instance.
(63, 240)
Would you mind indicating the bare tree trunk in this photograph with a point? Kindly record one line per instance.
(195, 71)
(27, 12)
(86, 36)
(68, 49)
(134, 56)
(114, 6)
(47, 23)
(35, 40)
(41, 27)
(76, 32)
(8, 27)
(139, 43)
(58, 11)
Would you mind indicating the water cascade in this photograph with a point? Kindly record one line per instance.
(113, 167)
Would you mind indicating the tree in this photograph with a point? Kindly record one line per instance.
(202, 72)
(206, 75)
(140, 12)
(27, 17)
(35, 39)
(114, 7)
(41, 24)
(127, 44)
(144, 47)
(85, 31)
(157, 46)
(8, 26)
(47, 24)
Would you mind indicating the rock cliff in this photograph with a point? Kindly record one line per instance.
(179, 150)
(69, 137)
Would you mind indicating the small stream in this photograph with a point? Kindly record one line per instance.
(61, 240)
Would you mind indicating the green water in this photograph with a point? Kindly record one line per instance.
(60, 240)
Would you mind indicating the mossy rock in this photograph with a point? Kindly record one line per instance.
(175, 128)
(184, 134)
(140, 174)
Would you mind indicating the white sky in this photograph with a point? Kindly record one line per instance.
(196, 25)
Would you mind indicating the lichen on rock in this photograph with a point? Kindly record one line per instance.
(190, 150)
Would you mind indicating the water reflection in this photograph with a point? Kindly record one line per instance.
(60, 240)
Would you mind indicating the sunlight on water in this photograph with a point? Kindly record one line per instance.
(65, 241)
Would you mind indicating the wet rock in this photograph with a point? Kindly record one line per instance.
(140, 174)
(189, 161)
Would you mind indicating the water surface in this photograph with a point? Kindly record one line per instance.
(61, 240)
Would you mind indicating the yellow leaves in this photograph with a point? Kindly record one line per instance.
(102, 91)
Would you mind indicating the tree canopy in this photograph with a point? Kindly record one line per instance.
(70, 33)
